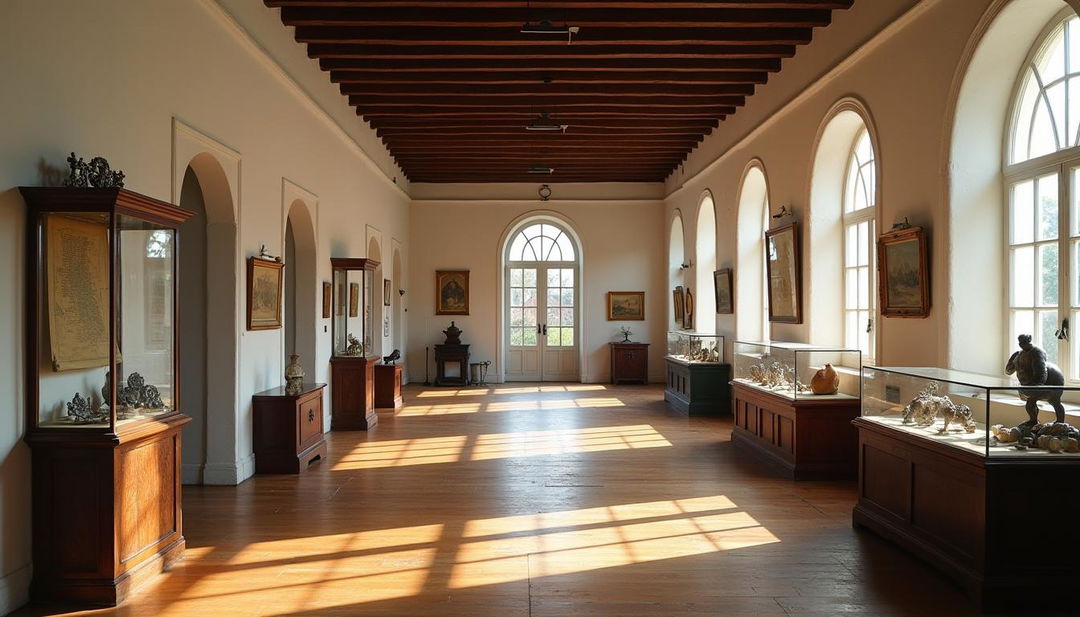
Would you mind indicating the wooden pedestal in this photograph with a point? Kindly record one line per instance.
(629, 363)
(988, 523)
(388, 386)
(352, 393)
(107, 514)
(445, 354)
(698, 389)
(807, 438)
(288, 429)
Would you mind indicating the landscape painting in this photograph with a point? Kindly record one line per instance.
(626, 305)
(264, 294)
(902, 268)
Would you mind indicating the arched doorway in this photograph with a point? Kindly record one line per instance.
(208, 323)
(301, 289)
(541, 302)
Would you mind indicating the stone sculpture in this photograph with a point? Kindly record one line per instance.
(923, 410)
(1032, 369)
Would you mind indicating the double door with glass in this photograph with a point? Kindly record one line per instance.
(542, 323)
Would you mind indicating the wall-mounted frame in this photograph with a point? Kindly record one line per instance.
(903, 273)
(678, 298)
(725, 291)
(354, 299)
(386, 292)
(327, 295)
(784, 265)
(688, 316)
(626, 305)
(264, 287)
(452, 292)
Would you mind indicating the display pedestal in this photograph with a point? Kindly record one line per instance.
(452, 365)
(388, 386)
(806, 438)
(107, 514)
(698, 389)
(352, 393)
(630, 363)
(288, 429)
(993, 525)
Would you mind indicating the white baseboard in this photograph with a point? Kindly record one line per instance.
(191, 473)
(15, 589)
(229, 474)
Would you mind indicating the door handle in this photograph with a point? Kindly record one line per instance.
(545, 329)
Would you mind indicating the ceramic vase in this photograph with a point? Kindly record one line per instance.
(825, 381)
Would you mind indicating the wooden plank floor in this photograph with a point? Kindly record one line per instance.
(528, 500)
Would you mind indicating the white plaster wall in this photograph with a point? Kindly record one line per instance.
(107, 78)
(623, 243)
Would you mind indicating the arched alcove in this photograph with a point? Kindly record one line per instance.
(838, 137)
(208, 323)
(375, 337)
(301, 287)
(976, 327)
(397, 319)
(705, 265)
(751, 302)
(676, 259)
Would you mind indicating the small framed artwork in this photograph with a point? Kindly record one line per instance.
(725, 297)
(688, 315)
(452, 292)
(626, 305)
(327, 293)
(678, 298)
(354, 299)
(386, 292)
(264, 294)
(782, 261)
(903, 274)
(386, 325)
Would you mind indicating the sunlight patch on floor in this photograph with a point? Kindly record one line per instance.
(403, 453)
(485, 391)
(569, 441)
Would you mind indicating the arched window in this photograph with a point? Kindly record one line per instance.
(542, 242)
(860, 222)
(676, 258)
(751, 294)
(1041, 173)
(705, 312)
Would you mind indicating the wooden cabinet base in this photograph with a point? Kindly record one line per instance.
(388, 386)
(629, 363)
(698, 389)
(107, 514)
(808, 438)
(288, 434)
(977, 520)
(352, 393)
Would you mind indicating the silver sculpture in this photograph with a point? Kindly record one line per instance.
(923, 410)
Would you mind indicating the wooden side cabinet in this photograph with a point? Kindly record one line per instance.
(288, 429)
(388, 386)
(352, 393)
(629, 363)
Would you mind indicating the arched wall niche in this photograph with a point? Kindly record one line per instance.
(676, 258)
(302, 291)
(705, 265)
(982, 96)
(753, 203)
(516, 225)
(824, 229)
(374, 251)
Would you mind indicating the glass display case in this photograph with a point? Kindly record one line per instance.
(103, 402)
(989, 415)
(695, 348)
(799, 370)
(353, 305)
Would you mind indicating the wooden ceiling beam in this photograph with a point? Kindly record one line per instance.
(595, 66)
(380, 113)
(593, 90)
(495, 37)
(518, 124)
(543, 142)
(438, 78)
(444, 134)
(369, 50)
(539, 102)
(662, 5)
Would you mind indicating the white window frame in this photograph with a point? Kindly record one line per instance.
(869, 215)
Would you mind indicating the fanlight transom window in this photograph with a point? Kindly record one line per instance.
(542, 242)
(1047, 114)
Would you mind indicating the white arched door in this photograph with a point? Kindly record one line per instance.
(542, 298)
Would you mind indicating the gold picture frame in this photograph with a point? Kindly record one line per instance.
(688, 315)
(678, 298)
(327, 299)
(724, 291)
(354, 299)
(783, 264)
(904, 273)
(264, 286)
(452, 292)
(626, 306)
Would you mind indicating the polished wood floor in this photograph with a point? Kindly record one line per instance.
(553, 500)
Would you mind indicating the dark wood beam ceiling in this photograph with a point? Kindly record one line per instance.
(449, 86)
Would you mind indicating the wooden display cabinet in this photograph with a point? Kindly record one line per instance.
(352, 375)
(629, 363)
(101, 301)
(288, 429)
(696, 378)
(388, 386)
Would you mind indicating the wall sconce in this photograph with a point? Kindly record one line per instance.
(401, 292)
(686, 265)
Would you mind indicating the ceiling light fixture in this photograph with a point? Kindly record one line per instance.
(544, 123)
(542, 169)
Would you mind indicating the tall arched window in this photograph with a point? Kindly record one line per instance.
(860, 232)
(1042, 171)
(751, 293)
(542, 316)
(676, 258)
(705, 266)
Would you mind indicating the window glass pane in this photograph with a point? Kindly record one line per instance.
(516, 296)
(851, 289)
(565, 247)
(864, 336)
(1048, 207)
(530, 296)
(864, 243)
(515, 337)
(1056, 95)
(532, 231)
(1052, 64)
(864, 288)
(567, 297)
(1074, 275)
(1023, 276)
(1023, 212)
(553, 297)
(1048, 324)
(553, 277)
(530, 317)
(553, 317)
(851, 246)
(1048, 275)
(568, 337)
(1074, 105)
(851, 327)
(567, 276)
(529, 337)
(530, 277)
(1023, 323)
(1043, 139)
(554, 336)
(567, 317)
(1074, 49)
(516, 278)
(1022, 132)
(516, 318)
(517, 247)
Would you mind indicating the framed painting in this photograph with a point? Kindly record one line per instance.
(354, 299)
(725, 295)
(903, 273)
(688, 312)
(327, 293)
(452, 292)
(264, 294)
(626, 306)
(386, 292)
(784, 269)
(678, 298)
